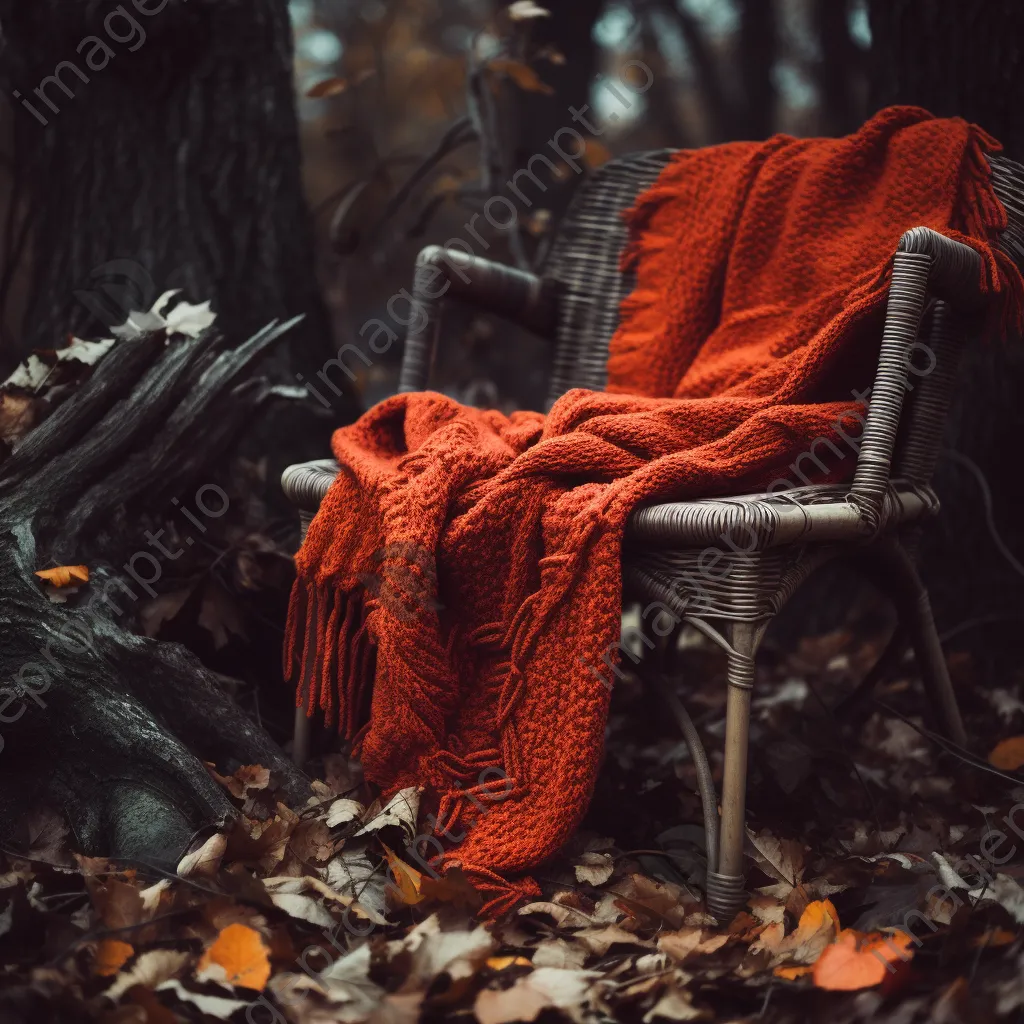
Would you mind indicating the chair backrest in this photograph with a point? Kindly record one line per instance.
(584, 263)
(584, 260)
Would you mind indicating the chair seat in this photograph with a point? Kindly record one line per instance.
(815, 513)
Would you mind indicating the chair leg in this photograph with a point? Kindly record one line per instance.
(725, 886)
(932, 662)
(896, 573)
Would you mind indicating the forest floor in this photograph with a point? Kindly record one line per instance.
(884, 872)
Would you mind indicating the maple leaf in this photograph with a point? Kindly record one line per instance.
(65, 575)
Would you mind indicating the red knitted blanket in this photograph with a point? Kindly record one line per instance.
(459, 590)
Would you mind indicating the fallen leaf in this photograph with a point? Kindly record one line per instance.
(993, 938)
(817, 928)
(858, 961)
(238, 956)
(522, 74)
(220, 615)
(525, 10)
(18, 415)
(150, 969)
(544, 987)
(219, 1006)
(162, 608)
(594, 868)
(1008, 754)
(65, 575)
(343, 811)
(686, 941)
(402, 810)
(204, 862)
(111, 956)
(559, 953)
(453, 887)
(503, 963)
(328, 87)
(675, 1004)
(406, 877)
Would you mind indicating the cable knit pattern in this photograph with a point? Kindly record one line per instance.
(761, 283)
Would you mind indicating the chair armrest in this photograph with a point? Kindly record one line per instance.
(445, 274)
(926, 263)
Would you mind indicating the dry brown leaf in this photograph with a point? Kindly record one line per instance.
(594, 868)
(162, 608)
(453, 887)
(818, 927)
(1008, 754)
(522, 74)
(204, 862)
(18, 415)
(220, 615)
(65, 575)
(599, 940)
(238, 956)
(526, 10)
(690, 941)
(328, 87)
(544, 987)
(150, 969)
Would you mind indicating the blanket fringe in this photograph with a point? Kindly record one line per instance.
(328, 653)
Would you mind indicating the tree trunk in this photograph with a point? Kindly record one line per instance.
(166, 156)
(156, 147)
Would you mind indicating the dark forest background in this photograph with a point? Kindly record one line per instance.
(184, 157)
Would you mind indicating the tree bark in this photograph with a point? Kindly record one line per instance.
(175, 165)
(99, 724)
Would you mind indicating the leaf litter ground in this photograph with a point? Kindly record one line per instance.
(884, 874)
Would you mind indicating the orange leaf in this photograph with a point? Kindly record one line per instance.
(1008, 755)
(522, 74)
(407, 878)
(240, 953)
(860, 961)
(595, 154)
(111, 956)
(501, 963)
(792, 973)
(65, 575)
(328, 87)
(992, 938)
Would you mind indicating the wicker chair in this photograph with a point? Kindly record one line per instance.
(874, 521)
